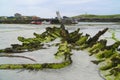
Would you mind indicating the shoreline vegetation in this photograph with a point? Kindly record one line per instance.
(98, 18)
(107, 56)
(53, 21)
(79, 18)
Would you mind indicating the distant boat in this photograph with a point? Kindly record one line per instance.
(41, 22)
(73, 21)
(36, 22)
(46, 22)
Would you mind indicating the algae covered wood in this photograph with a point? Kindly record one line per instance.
(66, 61)
(95, 38)
(108, 58)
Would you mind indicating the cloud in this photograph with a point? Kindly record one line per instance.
(28, 2)
(75, 1)
(47, 8)
(22, 2)
(34, 11)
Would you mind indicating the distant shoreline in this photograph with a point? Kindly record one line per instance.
(55, 21)
(99, 19)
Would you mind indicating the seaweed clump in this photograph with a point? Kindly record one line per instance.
(66, 62)
(32, 44)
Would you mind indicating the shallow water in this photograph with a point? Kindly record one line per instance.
(81, 69)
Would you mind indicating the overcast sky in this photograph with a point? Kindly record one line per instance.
(47, 8)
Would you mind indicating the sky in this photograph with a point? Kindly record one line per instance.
(48, 8)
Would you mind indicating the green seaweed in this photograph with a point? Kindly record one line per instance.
(107, 56)
(99, 46)
(65, 53)
(107, 64)
(82, 40)
(36, 66)
(63, 50)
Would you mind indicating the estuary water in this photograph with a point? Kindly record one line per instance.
(81, 69)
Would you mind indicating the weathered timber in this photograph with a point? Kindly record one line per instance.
(93, 40)
(17, 56)
(36, 66)
(99, 46)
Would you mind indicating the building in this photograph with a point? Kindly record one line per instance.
(3, 18)
(17, 15)
(35, 18)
